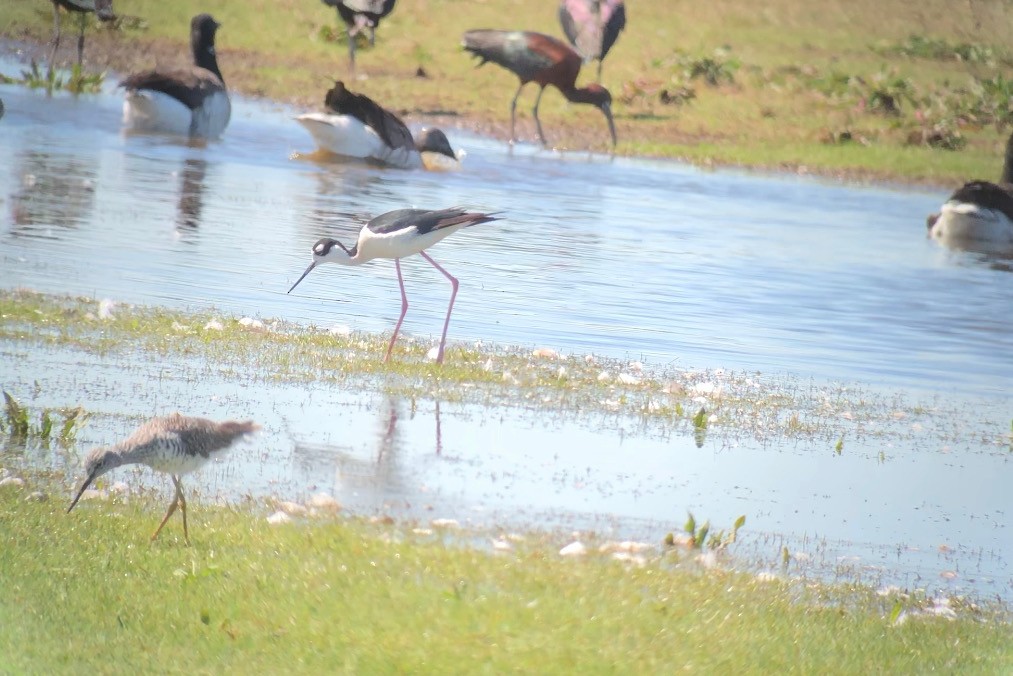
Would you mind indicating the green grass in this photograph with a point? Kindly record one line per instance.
(87, 592)
(763, 119)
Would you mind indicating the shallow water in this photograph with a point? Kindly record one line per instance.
(654, 261)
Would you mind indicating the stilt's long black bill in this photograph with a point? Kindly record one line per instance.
(80, 492)
(312, 265)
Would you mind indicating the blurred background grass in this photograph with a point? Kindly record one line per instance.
(798, 85)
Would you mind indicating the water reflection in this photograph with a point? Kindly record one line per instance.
(191, 192)
(54, 190)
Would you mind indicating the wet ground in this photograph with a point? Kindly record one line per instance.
(649, 261)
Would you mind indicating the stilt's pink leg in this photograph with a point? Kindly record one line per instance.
(404, 307)
(450, 308)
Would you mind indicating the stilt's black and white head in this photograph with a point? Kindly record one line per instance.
(326, 250)
(99, 461)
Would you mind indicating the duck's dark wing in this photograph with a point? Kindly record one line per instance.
(988, 195)
(386, 124)
(189, 86)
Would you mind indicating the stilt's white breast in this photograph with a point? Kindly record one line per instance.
(963, 223)
(347, 136)
(145, 110)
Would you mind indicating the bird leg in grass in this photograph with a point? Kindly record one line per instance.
(404, 308)
(538, 123)
(450, 308)
(177, 501)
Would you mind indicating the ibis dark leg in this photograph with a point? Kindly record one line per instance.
(351, 48)
(450, 308)
(599, 70)
(538, 123)
(80, 38)
(56, 34)
(513, 112)
(404, 308)
(372, 35)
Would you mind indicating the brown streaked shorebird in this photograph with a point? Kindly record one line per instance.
(175, 444)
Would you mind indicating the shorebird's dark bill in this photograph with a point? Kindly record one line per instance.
(312, 265)
(612, 125)
(80, 492)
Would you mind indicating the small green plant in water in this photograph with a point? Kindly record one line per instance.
(79, 82)
(18, 427)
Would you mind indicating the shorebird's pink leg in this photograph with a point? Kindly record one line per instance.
(404, 307)
(450, 308)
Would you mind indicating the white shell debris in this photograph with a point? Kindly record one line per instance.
(627, 546)
(444, 523)
(278, 518)
(119, 488)
(105, 308)
(342, 330)
(37, 496)
(575, 548)
(252, 323)
(214, 325)
(501, 545)
(545, 353)
(433, 353)
(324, 503)
(12, 481)
(628, 379)
(292, 508)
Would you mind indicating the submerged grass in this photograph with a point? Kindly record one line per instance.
(714, 83)
(87, 592)
(670, 399)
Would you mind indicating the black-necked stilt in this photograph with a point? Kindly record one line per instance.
(979, 215)
(593, 26)
(174, 444)
(189, 102)
(356, 126)
(397, 234)
(103, 9)
(535, 57)
(359, 15)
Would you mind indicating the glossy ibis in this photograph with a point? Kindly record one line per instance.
(103, 9)
(191, 101)
(593, 26)
(359, 15)
(174, 444)
(535, 57)
(397, 234)
(353, 125)
(979, 215)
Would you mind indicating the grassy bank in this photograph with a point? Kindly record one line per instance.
(87, 592)
(856, 88)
